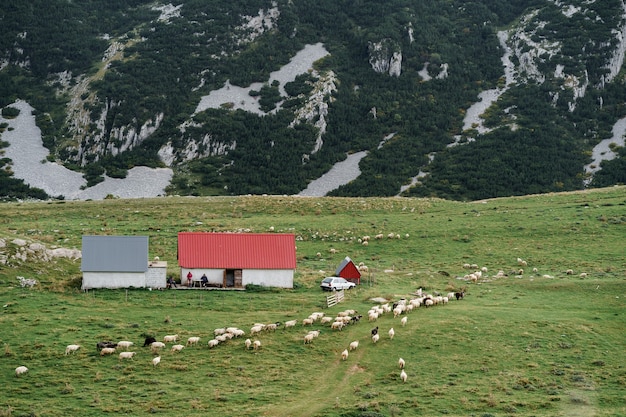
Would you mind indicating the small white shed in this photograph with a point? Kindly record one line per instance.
(120, 262)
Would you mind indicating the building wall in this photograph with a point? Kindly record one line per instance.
(282, 278)
(113, 280)
(156, 277)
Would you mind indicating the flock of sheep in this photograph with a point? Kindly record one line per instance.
(399, 309)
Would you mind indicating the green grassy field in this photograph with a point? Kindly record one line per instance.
(542, 343)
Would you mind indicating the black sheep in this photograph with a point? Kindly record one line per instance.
(375, 330)
(149, 340)
(459, 295)
(105, 344)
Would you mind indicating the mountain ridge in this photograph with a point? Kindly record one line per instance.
(399, 69)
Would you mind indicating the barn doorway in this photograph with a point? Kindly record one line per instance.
(232, 278)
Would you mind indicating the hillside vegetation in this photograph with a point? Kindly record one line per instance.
(117, 84)
(524, 342)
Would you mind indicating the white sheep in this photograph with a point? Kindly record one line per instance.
(248, 343)
(290, 323)
(315, 333)
(107, 351)
(344, 354)
(127, 355)
(271, 327)
(391, 333)
(170, 338)
(375, 337)
(337, 325)
(236, 333)
(177, 348)
(583, 275)
(156, 360)
(124, 344)
(213, 342)
(256, 344)
(403, 376)
(307, 321)
(308, 338)
(401, 363)
(404, 320)
(20, 370)
(157, 345)
(71, 348)
(219, 331)
(354, 345)
(325, 320)
(193, 340)
(257, 328)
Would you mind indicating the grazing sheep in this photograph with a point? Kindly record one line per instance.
(344, 354)
(155, 361)
(401, 363)
(149, 340)
(219, 331)
(177, 348)
(315, 333)
(375, 338)
(307, 321)
(213, 342)
(403, 376)
(124, 344)
(583, 275)
(107, 351)
(354, 345)
(20, 370)
(237, 333)
(272, 326)
(374, 331)
(332, 251)
(404, 320)
(127, 355)
(257, 328)
(569, 272)
(459, 295)
(71, 348)
(391, 333)
(105, 344)
(248, 343)
(337, 325)
(256, 344)
(193, 340)
(308, 338)
(290, 323)
(428, 302)
(170, 338)
(157, 345)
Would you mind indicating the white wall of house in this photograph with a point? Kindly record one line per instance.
(156, 276)
(113, 280)
(282, 278)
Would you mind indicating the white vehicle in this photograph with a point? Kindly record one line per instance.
(336, 283)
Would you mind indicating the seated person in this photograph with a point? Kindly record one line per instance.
(171, 283)
(204, 280)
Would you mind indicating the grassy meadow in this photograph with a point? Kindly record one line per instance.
(544, 343)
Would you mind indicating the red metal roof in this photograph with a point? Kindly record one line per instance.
(236, 250)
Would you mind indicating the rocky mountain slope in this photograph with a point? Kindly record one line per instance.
(453, 99)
